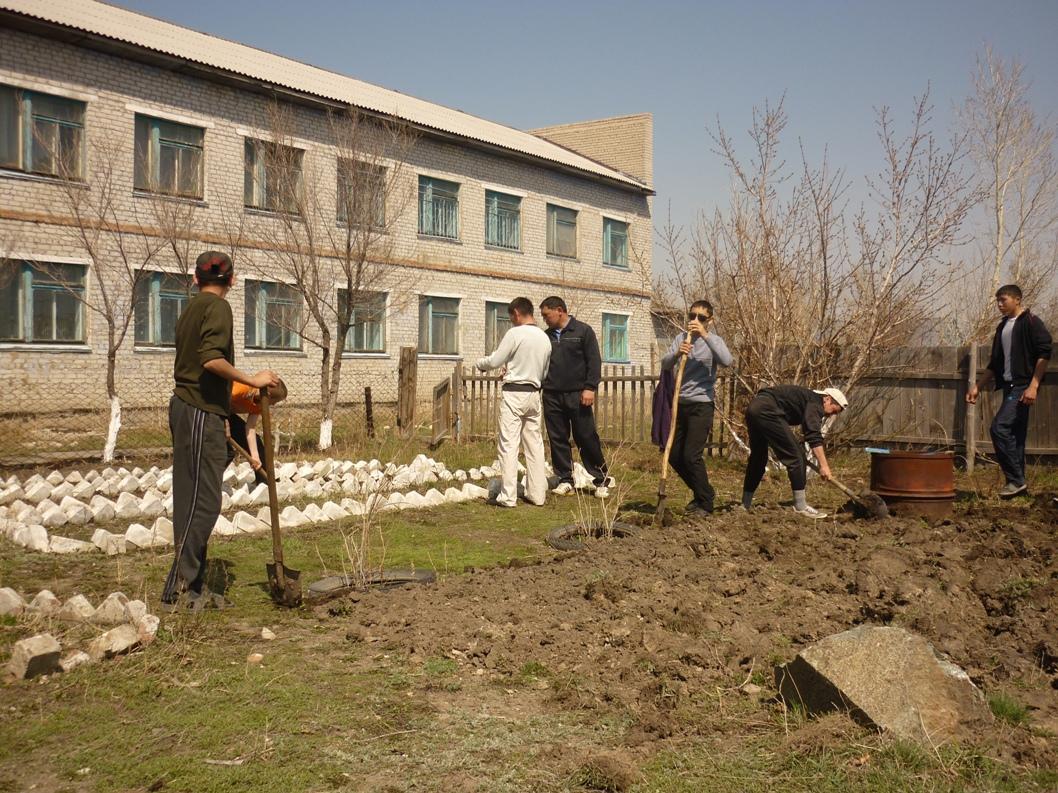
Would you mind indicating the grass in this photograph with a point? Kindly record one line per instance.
(1008, 709)
(322, 713)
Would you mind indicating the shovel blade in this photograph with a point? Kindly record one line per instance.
(287, 593)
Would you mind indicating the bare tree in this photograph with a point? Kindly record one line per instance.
(808, 291)
(1014, 154)
(119, 251)
(331, 236)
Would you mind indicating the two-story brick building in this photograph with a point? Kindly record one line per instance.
(491, 213)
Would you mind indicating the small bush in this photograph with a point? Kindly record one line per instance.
(1009, 710)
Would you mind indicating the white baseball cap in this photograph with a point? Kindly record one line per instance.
(837, 395)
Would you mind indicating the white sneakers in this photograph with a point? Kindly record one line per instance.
(562, 489)
(601, 491)
(810, 512)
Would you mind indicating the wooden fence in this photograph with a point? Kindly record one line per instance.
(919, 401)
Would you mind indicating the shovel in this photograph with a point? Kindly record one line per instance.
(872, 504)
(282, 581)
(659, 513)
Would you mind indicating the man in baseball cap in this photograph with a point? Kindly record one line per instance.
(204, 370)
(768, 420)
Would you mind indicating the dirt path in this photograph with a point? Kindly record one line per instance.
(643, 628)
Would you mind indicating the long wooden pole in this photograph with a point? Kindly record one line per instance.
(659, 514)
(273, 497)
(970, 430)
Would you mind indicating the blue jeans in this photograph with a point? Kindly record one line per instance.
(1009, 429)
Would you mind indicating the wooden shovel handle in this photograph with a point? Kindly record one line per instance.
(672, 422)
(273, 498)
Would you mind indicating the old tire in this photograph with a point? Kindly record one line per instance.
(571, 537)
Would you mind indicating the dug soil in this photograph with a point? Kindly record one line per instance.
(645, 629)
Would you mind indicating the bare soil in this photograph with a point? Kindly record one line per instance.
(643, 629)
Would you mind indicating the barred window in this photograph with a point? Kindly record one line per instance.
(503, 220)
(41, 133)
(438, 208)
(169, 157)
(273, 316)
(42, 302)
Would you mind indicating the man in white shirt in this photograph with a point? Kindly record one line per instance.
(525, 352)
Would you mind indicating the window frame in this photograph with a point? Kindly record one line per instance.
(492, 212)
(24, 132)
(607, 354)
(426, 309)
(257, 319)
(607, 242)
(552, 230)
(25, 272)
(152, 281)
(348, 345)
(426, 186)
(493, 321)
(379, 197)
(153, 156)
(256, 182)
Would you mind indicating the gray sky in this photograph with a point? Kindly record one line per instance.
(546, 62)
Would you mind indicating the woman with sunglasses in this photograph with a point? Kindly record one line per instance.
(705, 352)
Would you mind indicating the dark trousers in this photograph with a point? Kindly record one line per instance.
(1010, 427)
(694, 421)
(199, 458)
(241, 436)
(565, 416)
(767, 427)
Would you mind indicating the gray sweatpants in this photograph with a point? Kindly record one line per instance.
(199, 458)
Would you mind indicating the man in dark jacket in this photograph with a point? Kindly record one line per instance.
(569, 394)
(1021, 349)
(769, 417)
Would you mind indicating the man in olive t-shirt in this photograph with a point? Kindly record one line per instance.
(204, 370)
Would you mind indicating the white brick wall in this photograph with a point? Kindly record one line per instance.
(116, 88)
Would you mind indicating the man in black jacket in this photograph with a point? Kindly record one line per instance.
(769, 417)
(569, 394)
(1021, 349)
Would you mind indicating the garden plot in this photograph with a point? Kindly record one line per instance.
(29, 511)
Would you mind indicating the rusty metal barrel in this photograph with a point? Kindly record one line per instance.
(915, 483)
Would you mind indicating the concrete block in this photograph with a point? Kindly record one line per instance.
(110, 544)
(135, 610)
(58, 544)
(151, 507)
(291, 517)
(38, 655)
(224, 528)
(83, 490)
(333, 511)
(246, 523)
(92, 476)
(74, 660)
(112, 610)
(38, 492)
(129, 484)
(240, 497)
(76, 609)
(472, 491)
(33, 537)
(162, 531)
(287, 471)
(165, 482)
(259, 495)
(116, 641)
(353, 507)
(434, 497)
(44, 604)
(139, 536)
(55, 478)
(313, 490)
(61, 491)
(315, 514)
(11, 602)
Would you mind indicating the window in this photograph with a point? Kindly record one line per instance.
(615, 338)
(168, 157)
(503, 220)
(273, 316)
(367, 332)
(41, 302)
(40, 133)
(497, 323)
(439, 325)
(160, 299)
(614, 243)
(273, 176)
(561, 231)
(361, 194)
(438, 208)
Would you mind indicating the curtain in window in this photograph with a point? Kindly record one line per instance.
(438, 208)
(614, 243)
(615, 337)
(497, 323)
(10, 141)
(502, 220)
(561, 231)
(439, 325)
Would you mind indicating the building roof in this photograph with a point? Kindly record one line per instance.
(120, 25)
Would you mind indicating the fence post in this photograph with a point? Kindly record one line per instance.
(457, 403)
(369, 412)
(970, 422)
(406, 390)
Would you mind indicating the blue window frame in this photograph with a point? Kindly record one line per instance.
(42, 302)
(273, 316)
(438, 208)
(503, 220)
(615, 243)
(497, 323)
(160, 299)
(272, 176)
(367, 331)
(615, 338)
(169, 157)
(438, 325)
(41, 133)
(561, 231)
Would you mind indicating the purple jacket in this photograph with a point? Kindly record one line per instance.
(662, 408)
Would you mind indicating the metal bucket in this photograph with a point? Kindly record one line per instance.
(915, 483)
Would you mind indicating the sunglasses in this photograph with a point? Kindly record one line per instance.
(699, 317)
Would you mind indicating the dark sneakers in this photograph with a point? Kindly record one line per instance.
(195, 602)
(696, 509)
